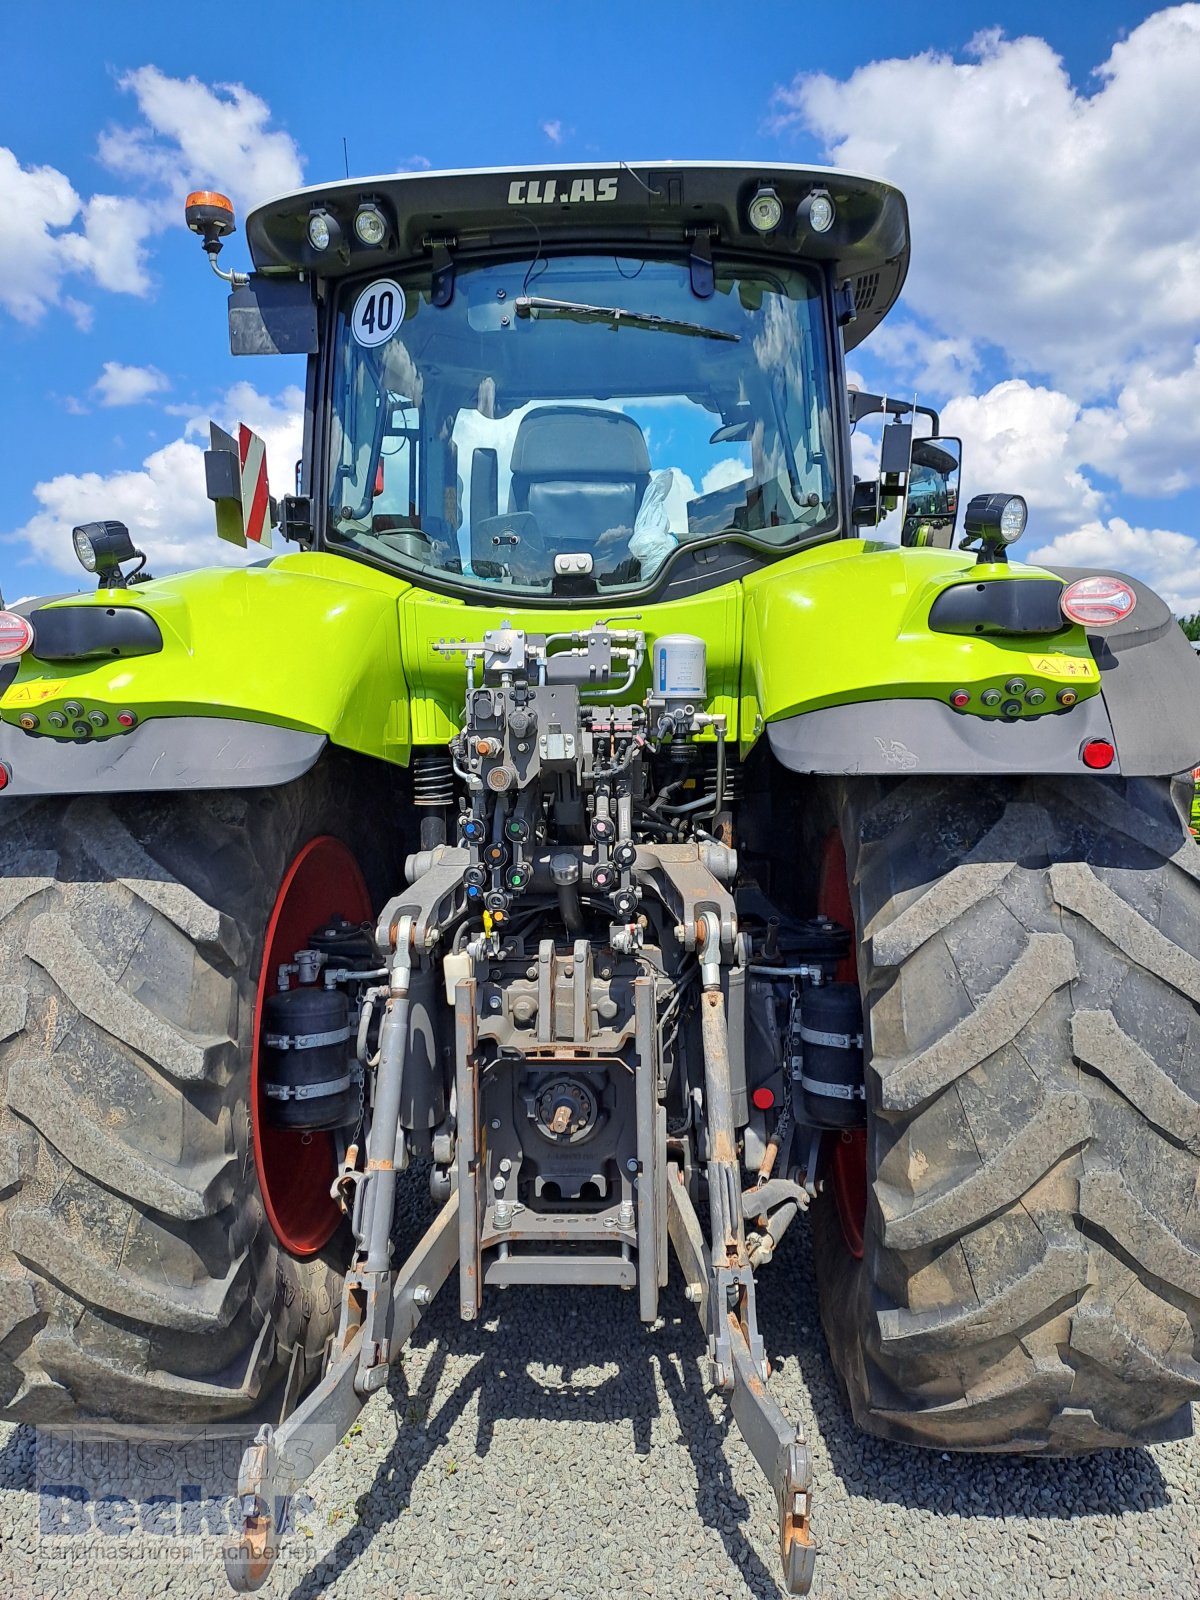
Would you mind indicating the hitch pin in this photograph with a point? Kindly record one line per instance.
(344, 1187)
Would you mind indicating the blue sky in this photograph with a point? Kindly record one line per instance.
(1049, 155)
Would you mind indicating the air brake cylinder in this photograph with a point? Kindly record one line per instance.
(830, 1048)
(308, 1078)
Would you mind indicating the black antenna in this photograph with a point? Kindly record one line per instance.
(345, 155)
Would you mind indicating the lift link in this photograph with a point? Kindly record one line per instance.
(380, 1309)
(281, 1459)
(740, 1367)
(373, 1279)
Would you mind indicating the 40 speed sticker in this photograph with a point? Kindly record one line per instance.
(378, 312)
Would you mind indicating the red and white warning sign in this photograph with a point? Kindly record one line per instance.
(235, 472)
(256, 500)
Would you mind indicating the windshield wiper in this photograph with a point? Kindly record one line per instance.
(528, 305)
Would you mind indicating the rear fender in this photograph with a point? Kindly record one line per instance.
(235, 677)
(846, 675)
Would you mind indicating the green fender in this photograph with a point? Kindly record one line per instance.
(829, 651)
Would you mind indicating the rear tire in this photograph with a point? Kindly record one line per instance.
(139, 1276)
(1029, 957)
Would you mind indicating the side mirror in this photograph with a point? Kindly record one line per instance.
(295, 519)
(865, 510)
(931, 507)
(875, 497)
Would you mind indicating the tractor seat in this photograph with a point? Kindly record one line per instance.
(581, 471)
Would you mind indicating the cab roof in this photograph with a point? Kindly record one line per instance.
(704, 205)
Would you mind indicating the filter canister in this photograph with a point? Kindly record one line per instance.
(680, 668)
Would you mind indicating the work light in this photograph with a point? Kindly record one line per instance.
(102, 546)
(996, 518)
(370, 224)
(816, 212)
(765, 211)
(323, 229)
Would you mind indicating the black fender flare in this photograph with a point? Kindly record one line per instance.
(162, 753)
(1150, 679)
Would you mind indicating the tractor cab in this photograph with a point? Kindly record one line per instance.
(570, 383)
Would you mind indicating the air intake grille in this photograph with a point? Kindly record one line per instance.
(864, 291)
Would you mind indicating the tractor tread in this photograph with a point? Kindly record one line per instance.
(1030, 968)
(1045, 964)
(1061, 1124)
(38, 1239)
(54, 944)
(112, 847)
(1100, 1043)
(31, 873)
(980, 874)
(1106, 1201)
(1077, 888)
(140, 1280)
(1058, 1276)
(44, 1100)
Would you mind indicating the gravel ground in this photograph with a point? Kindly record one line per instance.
(556, 1451)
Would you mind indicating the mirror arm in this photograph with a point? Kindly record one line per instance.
(861, 404)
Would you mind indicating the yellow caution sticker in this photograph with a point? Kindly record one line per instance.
(1063, 666)
(34, 692)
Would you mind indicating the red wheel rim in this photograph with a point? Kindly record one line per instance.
(848, 1158)
(296, 1169)
(848, 1177)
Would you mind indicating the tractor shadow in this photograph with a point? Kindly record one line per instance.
(504, 1386)
(658, 1373)
(968, 1485)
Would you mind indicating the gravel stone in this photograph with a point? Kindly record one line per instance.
(556, 1450)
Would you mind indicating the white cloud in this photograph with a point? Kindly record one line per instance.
(1056, 225)
(199, 136)
(724, 474)
(81, 314)
(1020, 439)
(39, 246)
(553, 131)
(1169, 562)
(119, 385)
(163, 502)
(1147, 439)
(191, 135)
(1055, 246)
(928, 364)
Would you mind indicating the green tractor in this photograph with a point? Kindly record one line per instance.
(594, 819)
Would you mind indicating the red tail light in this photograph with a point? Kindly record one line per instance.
(763, 1098)
(1096, 602)
(1098, 754)
(16, 635)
